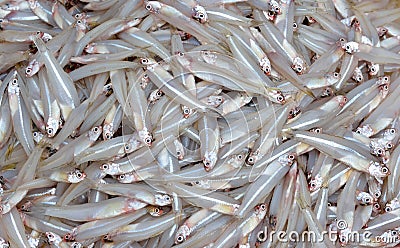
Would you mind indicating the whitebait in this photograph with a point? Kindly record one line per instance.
(342, 150)
(74, 176)
(96, 211)
(136, 191)
(19, 114)
(66, 92)
(265, 182)
(73, 149)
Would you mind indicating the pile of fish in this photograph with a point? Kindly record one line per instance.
(199, 123)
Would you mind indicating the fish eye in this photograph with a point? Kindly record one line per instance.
(329, 204)
(14, 81)
(35, 134)
(28, 70)
(250, 160)
(384, 170)
(316, 130)
(358, 131)
(79, 22)
(157, 210)
(127, 147)
(50, 131)
(389, 145)
(148, 6)
(148, 140)
(167, 198)
(392, 131)
(367, 200)
(313, 185)
(179, 239)
(108, 136)
(178, 153)
(280, 98)
(77, 16)
(385, 87)
(359, 78)
(186, 111)
(291, 157)
(104, 166)
(50, 236)
(201, 16)
(144, 61)
(379, 151)
(159, 93)
(336, 74)
(372, 69)
(394, 233)
(294, 25)
(239, 156)
(388, 209)
(342, 39)
(121, 177)
(347, 47)
(78, 174)
(95, 129)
